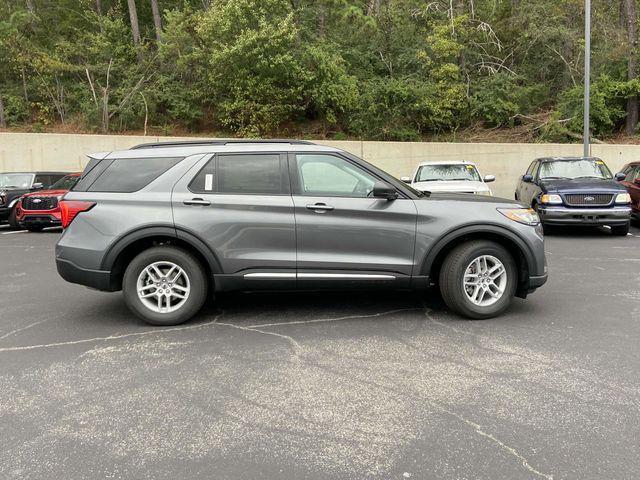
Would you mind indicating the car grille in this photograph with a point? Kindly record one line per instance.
(39, 203)
(588, 199)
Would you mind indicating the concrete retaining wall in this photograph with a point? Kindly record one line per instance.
(507, 161)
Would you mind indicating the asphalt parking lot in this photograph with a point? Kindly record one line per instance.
(324, 385)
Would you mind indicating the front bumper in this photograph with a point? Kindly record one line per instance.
(537, 281)
(584, 216)
(38, 219)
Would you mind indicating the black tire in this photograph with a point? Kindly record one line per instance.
(191, 266)
(452, 275)
(620, 230)
(35, 228)
(13, 221)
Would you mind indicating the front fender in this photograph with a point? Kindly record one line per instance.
(478, 230)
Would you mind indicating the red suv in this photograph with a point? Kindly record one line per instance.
(41, 209)
(632, 184)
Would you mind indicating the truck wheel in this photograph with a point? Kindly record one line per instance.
(478, 279)
(620, 230)
(13, 221)
(165, 285)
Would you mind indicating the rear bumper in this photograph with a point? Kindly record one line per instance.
(98, 279)
(584, 216)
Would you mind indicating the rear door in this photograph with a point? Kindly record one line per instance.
(240, 205)
(342, 232)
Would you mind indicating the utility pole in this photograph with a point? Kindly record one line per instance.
(587, 74)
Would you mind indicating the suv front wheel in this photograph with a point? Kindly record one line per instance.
(478, 279)
(165, 285)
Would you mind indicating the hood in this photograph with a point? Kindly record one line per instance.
(459, 186)
(461, 198)
(581, 185)
(46, 193)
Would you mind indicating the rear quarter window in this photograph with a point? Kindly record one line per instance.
(125, 175)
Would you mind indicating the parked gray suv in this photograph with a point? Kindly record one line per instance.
(168, 223)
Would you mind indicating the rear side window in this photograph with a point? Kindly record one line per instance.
(125, 175)
(257, 174)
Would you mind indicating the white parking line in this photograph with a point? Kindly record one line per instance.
(14, 231)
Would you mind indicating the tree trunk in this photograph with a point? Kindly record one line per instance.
(157, 19)
(99, 13)
(373, 7)
(3, 121)
(632, 64)
(135, 26)
(322, 14)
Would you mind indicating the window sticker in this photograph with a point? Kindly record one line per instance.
(208, 182)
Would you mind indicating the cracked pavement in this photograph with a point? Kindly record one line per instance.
(324, 385)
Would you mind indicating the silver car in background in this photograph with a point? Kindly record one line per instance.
(454, 176)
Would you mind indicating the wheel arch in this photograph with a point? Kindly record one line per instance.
(123, 250)
(516, 246)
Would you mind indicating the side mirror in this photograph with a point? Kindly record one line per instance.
(489, 178)
(527, 178)
(620, 176)
(406, 179)
(384, 190)
(38, 186)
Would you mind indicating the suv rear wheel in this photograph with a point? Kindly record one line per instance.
(165, 285)
(478, 279)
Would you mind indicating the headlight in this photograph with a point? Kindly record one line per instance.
(623, 198)
(551, 199)
(527, 216)
(484, 192)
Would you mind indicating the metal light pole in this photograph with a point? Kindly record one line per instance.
(587, 73)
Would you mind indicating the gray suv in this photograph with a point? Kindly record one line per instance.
(169, 223)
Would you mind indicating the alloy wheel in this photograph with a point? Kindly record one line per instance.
(163, 287)
(485, 280)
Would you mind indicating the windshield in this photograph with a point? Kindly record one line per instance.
(65, 183)
(570, 169)
(442, 173)
(15, 180)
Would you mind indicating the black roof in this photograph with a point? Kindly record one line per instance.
(183, 143)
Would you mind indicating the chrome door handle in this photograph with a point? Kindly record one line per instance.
(197, 201)
(320, 207)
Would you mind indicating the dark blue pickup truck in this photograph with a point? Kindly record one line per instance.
(576, 191)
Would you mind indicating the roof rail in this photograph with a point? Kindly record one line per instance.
(187, 143)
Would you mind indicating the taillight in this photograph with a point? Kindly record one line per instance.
(70, 208)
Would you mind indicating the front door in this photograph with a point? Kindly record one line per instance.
(633, 188)
(342, 231)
